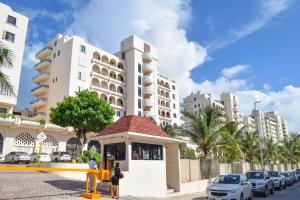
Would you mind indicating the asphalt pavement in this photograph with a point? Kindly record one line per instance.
(291, 193)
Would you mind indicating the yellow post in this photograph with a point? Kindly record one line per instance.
(87, 183)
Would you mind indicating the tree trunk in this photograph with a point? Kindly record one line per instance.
(81, 137)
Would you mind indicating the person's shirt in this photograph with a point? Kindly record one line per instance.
(93, 164)
(117, 172)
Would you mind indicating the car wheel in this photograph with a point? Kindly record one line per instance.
(272, 190)
(241, 198)
(266, 192)
(12, 161)
(280, 186)
(251, 196)
(56, 159)
(284, 186)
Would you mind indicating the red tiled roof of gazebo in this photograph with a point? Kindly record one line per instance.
(135, 124)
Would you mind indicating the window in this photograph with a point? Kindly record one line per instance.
(195, 106)
(139, 80)
(173, 96)
(175, 125)
(81, 76)
(4, 90)
(116, 150)
(11, 20)
(9, 36)
(139, 103)
(195, 99)
(174, 106)
(118, 113)
(139, 68)
(173, 87)
(174, 115)
(139, 91)
(79, 88)
(142, 151)
(54, 55)
(55, 43)
(139, 113)
(58, 53)
(123, 55)
(56, 79)
(82, 49)
(3, 110)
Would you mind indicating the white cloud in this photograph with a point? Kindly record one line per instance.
(159, 22)
(267, 10)
(29, 59)
(32, 14)
(235, 70)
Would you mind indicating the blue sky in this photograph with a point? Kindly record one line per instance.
(248, 47)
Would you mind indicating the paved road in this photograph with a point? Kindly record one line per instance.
(291, 193)
(42, 186)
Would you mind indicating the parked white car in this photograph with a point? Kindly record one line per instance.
(2, 158)
(43, 157)
(278, 180)
(17, 157)
(231, 186)
(60, 156)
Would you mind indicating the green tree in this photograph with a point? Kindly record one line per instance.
(290, 149)
(250, 146)
(6, 59)
(270, 151)
(85, 113)
(169, 129)
(186, 152)
(229, 149)
(204, 129)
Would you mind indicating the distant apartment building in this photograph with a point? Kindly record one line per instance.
(227, 103)
(249, 123)
(13, 28)
(128, 80)
(271, 125)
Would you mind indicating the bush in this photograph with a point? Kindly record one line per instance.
(87, 154)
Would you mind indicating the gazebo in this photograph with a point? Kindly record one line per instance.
(148, 157)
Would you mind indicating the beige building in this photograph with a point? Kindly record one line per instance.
(13, 28)
(128, 80)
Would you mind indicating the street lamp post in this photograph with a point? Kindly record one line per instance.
(260, 137)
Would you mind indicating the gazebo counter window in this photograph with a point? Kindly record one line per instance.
(143, 151)
(116, 150)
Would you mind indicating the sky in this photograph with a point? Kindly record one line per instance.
(250, 47)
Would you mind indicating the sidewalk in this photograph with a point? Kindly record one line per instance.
(196, 196)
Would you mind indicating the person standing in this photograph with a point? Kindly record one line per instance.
(116, 175)
(92, 165)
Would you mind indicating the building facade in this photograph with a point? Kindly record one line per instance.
(13, 28)
(128, 80)
(271, 125)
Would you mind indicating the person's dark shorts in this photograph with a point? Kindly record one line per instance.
(114, 181)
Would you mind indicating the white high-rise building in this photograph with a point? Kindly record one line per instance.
(271, 125)
(128, 80)
(13, 28)
(230, 103)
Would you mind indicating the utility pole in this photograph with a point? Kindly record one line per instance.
(260, 137)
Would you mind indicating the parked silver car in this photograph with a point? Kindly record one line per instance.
(60, 156)
(278, 179)
(261, 182)
(17, 157)
(288, 178)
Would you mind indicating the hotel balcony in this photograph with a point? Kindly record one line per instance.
(42, 65)
(148, 67)
(148, 113)
(42, 77)
(148, 79)
(39, 116)
(147, 103)
(40, 90)
(45, 52)
(38, 103)
(147, 58)
(148, 91)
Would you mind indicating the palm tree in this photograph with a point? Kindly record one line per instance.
(6, 59)
(290, 149)
(229, 149)
(270, 150)
(169, 129)
(203, 128)
(250, 146)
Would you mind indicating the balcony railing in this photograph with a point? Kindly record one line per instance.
(147, 57)
(43, 53)
(39, 100)
(43, 64)
(41, 89)
(41, 77)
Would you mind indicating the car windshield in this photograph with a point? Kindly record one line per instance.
(44, 154)
(274, 174)
(285, 174)
(255, 175)
(228, 179)
(65, 153)
(21, 153)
